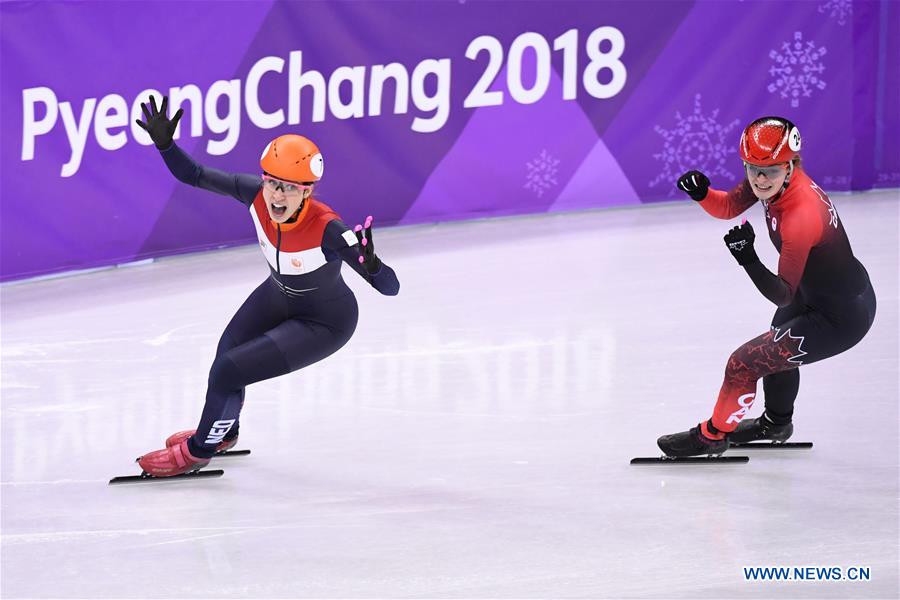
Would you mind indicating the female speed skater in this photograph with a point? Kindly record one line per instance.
(825, 300)
(300, 314)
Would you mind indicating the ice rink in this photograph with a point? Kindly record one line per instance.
(473, 438)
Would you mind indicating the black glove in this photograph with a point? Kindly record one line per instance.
(740, 242)
(367, 256)
(695, 183)
(158, 125)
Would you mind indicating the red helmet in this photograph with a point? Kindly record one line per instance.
(770, 141)
(293, 158)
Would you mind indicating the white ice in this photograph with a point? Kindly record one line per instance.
(473, 438)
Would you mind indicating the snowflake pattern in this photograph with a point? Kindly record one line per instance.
(840, 9)
(699, 142)
(797, 69)
(541, 173)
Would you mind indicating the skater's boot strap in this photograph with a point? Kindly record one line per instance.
(183, 456)
(179, 455)
(709, 431)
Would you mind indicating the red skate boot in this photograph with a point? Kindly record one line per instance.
(177, 438)
(173, 460)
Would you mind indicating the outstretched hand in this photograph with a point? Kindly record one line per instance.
(367, 256)
(158, 125)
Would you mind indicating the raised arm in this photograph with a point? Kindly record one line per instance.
(719, 204)
(727, 205)
(242, 187)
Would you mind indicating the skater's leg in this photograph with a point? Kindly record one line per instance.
(781, 391)
(292, 345)
(231, 372)
(263, 309)
(764, 355)
(781, 388)
(807, 338)
(775, 423)
(761, 356)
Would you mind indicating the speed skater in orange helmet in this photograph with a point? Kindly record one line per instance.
(303, 311)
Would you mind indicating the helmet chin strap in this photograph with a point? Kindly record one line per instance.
(296, 214)
(300, 212)
(787, 180)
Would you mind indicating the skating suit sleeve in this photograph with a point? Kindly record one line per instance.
(341, 240)
(242, 187)
(727, 205)
(801, 232)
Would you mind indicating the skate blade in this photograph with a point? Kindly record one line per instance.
(233, 453)
(147, 478)
(690, 460)
(772, 445)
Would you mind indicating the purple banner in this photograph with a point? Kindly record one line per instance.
(424, 111)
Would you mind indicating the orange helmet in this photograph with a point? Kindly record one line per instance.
(770, 141)
(293, 158)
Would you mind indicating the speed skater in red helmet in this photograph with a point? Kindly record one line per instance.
(825, 301)
(303, 311)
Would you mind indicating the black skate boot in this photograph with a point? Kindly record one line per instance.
(760, 429)
(691, 443)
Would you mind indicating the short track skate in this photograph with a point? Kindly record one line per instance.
(145, 477)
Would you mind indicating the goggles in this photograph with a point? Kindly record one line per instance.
(772, 172)
(287, 187)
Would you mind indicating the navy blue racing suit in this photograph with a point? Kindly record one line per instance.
(300, 314)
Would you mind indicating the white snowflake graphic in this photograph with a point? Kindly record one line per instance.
(541, 173)
(797, 70)
(840, 9)
(699, 142)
